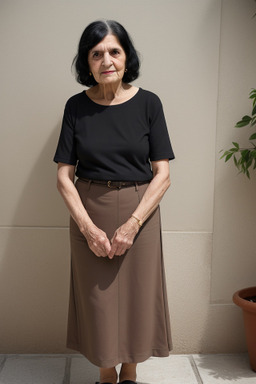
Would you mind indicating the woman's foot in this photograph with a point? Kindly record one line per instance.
(108, 375)
(127, 382)
(97, 382)
(128, 372)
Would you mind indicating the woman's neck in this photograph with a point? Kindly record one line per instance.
(109, 92)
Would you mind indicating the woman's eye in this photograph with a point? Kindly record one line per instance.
(96, 55)
(115, 52)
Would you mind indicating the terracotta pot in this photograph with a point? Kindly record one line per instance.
(249, 312)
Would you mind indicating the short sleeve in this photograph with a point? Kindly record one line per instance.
(159, 140)
(66, 148)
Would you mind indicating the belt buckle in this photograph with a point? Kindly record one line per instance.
(109, 184)
(114, 186)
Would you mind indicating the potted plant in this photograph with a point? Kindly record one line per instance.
(245, 161)
(246, 300)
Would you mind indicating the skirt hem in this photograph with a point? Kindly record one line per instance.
(137, 358)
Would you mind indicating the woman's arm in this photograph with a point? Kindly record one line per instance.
(155, 191)
(124, 235)
(96, 238)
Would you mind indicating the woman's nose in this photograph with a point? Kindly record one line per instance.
(106, 60)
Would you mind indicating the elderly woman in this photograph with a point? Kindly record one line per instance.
(115, 141)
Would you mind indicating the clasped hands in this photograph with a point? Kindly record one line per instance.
(122, 240)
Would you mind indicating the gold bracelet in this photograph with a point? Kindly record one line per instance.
(138, 220)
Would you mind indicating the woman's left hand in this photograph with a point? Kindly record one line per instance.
(123, 238)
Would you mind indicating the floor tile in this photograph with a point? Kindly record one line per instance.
(33, 370)
(2, 361)
(215, 369)
(167, 370)
(82, 371)
(172, 369)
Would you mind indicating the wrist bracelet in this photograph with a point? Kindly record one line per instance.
(138, 220)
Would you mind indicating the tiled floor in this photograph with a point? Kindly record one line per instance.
(175, 369)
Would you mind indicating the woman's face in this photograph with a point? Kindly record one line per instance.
(107, 60)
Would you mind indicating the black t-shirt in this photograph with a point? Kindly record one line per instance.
(115, 142)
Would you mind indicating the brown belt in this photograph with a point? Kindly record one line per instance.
(115, 184)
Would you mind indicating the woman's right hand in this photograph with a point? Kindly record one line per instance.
(97, 240)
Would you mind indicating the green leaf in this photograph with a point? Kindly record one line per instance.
(252, 94)
(245, 154)
(253, 121)
(253, 136)
(253, 153)
(235, 144)
(245, 121)
(235, 161)
(225, 154)
(228, 157)
(254, 110)
(246, 118)
(249, 163)
(241, 124)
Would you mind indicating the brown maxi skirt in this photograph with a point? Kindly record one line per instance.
(118, 310)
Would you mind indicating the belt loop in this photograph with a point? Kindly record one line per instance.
(89, 185)
(136, 186)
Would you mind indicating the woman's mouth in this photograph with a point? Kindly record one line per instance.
(107, 72)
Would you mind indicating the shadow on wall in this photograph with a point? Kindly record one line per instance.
(223, 330)
(34, 269)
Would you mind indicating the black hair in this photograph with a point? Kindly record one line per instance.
(92, 35)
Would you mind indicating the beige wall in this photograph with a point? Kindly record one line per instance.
(199, 57)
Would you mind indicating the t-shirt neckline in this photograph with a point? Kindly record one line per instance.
(113, 105)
